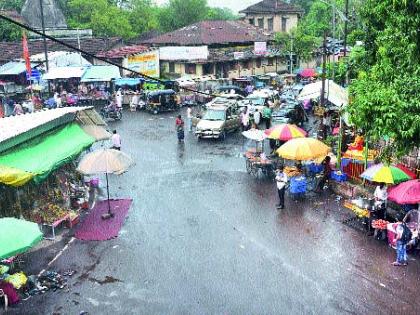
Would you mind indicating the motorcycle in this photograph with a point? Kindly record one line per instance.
(111, 112)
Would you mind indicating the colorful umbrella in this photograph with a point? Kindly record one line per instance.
(17, 236)
(285, 132)
(308, 72)
(406, 193)
(303, 149)
(382, 173)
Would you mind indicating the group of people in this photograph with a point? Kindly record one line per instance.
(253, 120)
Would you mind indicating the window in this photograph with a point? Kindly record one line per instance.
(190, 68)
(284, 24)
(258, 63)
(270, 24)
(172, 67)
(270, 61)
(261, 23)
(252, 21)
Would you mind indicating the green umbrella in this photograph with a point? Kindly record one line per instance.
(17, 236)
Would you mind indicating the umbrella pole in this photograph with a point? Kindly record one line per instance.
(109, 214)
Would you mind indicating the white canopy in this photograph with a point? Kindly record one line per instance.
(333, 92)
(61, 59)
(64, 73)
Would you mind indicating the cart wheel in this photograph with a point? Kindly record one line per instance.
(222, 136)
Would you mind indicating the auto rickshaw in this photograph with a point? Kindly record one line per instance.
(162, 101)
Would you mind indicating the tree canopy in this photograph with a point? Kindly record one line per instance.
(386, 101)
(9, 32)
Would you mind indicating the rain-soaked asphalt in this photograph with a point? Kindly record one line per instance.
(203, 237)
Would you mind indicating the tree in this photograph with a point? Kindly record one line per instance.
(318, 19)
(143, 16)
(102, 17)
(386, 101)
(8, 31)
(220, 14)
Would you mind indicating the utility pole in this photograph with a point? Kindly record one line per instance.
(334, 38)
(41, 6)
(291, 55)
(324, 66)
(346, 22)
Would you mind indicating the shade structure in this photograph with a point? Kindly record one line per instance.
(285, 132)
(97, 132)
(254, 134)
(37, 158)
(333, 93)
(64, 73)
(101, 74)
(308, 72)
(406, 193)
(388, 174)
(303, 149)
(105, 161)
(17, 236)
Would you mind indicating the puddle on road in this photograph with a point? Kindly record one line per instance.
(107, 280)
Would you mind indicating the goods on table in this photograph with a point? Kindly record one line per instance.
(338, 176)
(48, 214)
(17, 280)
(380, 224)
(291, 171)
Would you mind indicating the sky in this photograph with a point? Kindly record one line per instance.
(235, 5)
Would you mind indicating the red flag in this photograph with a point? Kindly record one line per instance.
(26, 54)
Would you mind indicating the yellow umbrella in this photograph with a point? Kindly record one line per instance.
(303, 149)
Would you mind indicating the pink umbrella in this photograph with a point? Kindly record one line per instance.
(307, 73)
(405, 193)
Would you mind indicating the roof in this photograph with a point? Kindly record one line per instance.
(13, 68)
(13, 50)
(212, 33)
(13, 14)
(101, 74)
(272, 6)
(64, 73)
(124, 51)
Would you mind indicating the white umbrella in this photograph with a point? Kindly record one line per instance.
(254, 134)
(105, 161)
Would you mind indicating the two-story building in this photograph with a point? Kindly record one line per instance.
(273, 15)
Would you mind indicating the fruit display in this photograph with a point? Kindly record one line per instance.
(48, 214)
(380, 224)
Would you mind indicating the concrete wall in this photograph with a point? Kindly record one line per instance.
(180, 69)
(292, 20)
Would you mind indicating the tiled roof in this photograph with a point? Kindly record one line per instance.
(272, 6)
(13, 50)
(124, 51)
(212, 33)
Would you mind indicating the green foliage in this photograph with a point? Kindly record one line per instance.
(220, 14)
(143, 16)
(318, 19)
(303, 44)
(10, 32)
(386, 101)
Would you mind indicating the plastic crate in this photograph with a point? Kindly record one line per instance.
(316, 168)
(298, 185)
(339, 177)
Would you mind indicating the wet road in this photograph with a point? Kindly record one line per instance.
(203, 237)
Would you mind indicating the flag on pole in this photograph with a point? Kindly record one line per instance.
(26, 54)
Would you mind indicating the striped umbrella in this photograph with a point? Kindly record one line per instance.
(285, 132)
(388, 174)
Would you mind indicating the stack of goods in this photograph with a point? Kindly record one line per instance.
(316, 168)
(48, 214)
(338, 176)
(380, 224)
(292, 171)
(298, 185)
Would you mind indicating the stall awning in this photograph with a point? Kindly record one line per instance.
(101, 74)
(128, 81)
(64, 73)
(334, 93)
(13, 68)
(39, 157)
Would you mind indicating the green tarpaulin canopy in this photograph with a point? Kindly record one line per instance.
(41, 156)
(17, 236)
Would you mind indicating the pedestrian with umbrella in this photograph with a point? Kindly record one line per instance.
(105, 161)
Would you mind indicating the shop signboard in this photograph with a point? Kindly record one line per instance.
(146, 63)
(238, 55)
(260, 48)
(184, 53)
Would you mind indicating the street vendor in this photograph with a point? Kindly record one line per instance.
(326, 173)
(380, 195)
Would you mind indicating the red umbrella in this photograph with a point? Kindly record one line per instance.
(407, 170)
(405, 193)
(308, 72)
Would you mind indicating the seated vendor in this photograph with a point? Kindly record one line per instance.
(381, 197)
(358, 143)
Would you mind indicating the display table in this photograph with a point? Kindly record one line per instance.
(55, 224)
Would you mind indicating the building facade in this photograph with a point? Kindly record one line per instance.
(273, 15)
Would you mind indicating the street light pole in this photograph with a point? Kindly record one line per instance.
(333, 36)
(41, 6)
(324, 66)
(291, 55)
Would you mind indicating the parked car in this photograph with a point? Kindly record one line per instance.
(218, 121)
(289, 113)
(227, 89)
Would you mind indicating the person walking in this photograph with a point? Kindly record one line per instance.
(266, 114)
(116, 141)
(189, 118)
(257, 117)
(179, 126)
(281, 180)
(403, 237)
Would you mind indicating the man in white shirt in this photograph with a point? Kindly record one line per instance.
(281, 180)
(116, 141)
(189, 118)
(381, 194)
